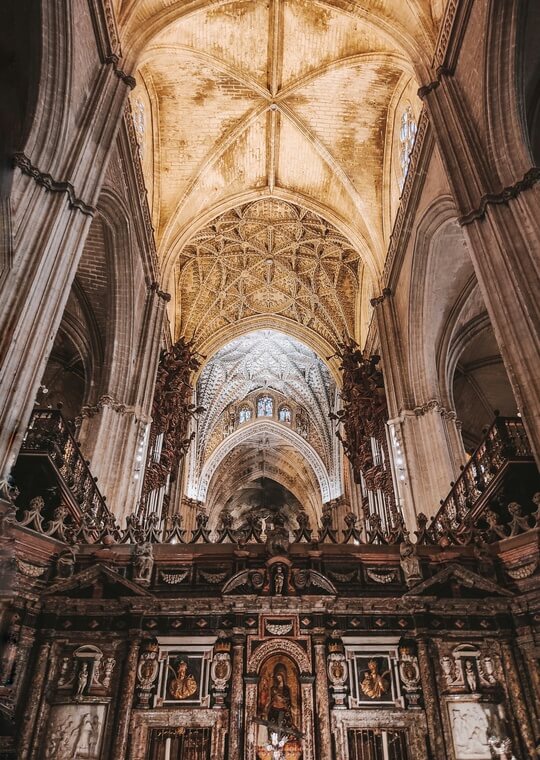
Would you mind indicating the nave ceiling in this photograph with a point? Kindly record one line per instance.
(287, 99)
(269, 137)
(227, 450)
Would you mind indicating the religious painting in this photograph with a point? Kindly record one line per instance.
(279, 709)
(183, 678)
(75, 731)
(472, 724)
(374, 679)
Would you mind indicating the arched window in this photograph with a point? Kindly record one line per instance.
(244, 414)
(265, 406)
(284, 414)
(407, 133)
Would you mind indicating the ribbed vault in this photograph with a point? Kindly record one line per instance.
(267, 258)
(301, 453)
(279, 98)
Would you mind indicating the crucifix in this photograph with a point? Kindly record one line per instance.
(279, 734)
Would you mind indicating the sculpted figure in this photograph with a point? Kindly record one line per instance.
(279, 579)
(470, 676)
(184, 684)
(410, 564)
(82, 679)
(374, 684)
(277, 542)
(143, 562)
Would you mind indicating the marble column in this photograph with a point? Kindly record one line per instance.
(236, 717)
(36, 689)
(520, 715)
(125, 701)
(432, 702)
(324, 736)
(42, 718)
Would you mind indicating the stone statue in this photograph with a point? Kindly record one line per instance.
(143, 563)
(65, 564)
(470, 676)
(410, 564)
(279, 579)
(82, 679)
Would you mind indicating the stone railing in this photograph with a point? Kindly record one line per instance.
(504, 443)
(48, 434)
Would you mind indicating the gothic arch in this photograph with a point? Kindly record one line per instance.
(504, 91)
(328, 489)
(139, 31)
(422, 349)
(118, 257)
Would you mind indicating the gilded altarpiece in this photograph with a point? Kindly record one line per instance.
(279, 690)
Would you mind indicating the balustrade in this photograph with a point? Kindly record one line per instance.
(48, 434)
(505, 443)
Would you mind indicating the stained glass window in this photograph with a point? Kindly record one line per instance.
(265, 406)
(244, 414)
(285, 414)
(407, 133)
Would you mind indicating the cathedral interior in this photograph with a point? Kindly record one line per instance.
(270, 380)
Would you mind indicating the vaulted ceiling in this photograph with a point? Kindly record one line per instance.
(224, 451)
(290, 99)
(269, 138)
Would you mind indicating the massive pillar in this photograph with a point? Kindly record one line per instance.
(494, 182)
(425, 441)
(56, 184)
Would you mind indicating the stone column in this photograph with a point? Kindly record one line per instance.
(56, 184)
(324, 736)
(36, 688)
(125, 702)
(432, 702)
(236, 717)
(112, 431)
(495, 185)
(430, 454)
